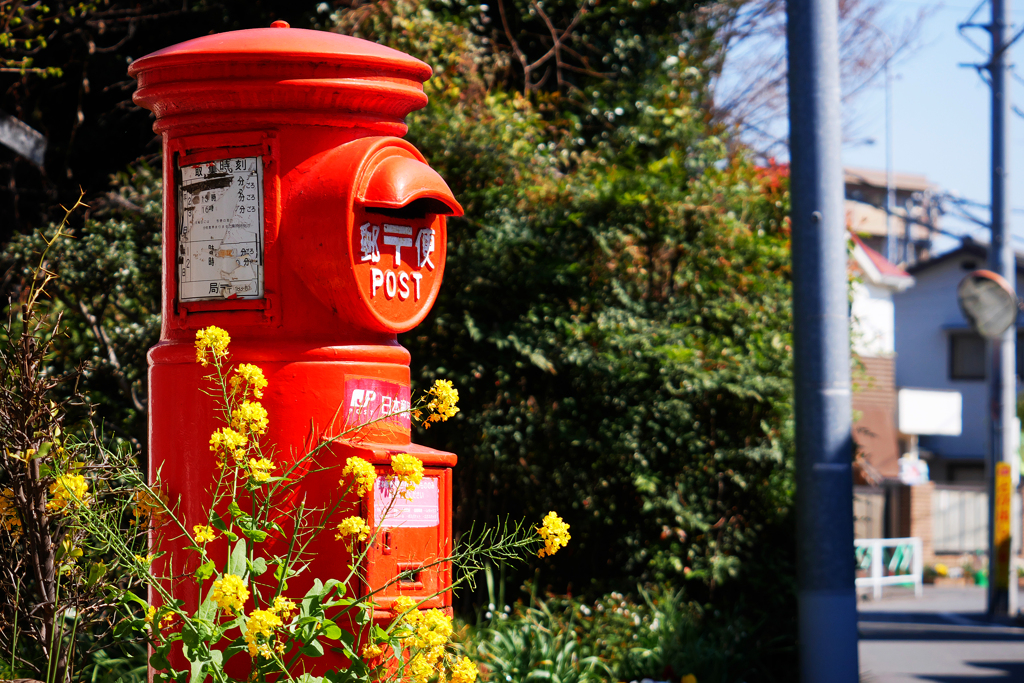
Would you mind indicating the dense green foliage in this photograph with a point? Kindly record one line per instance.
(109, 296)
(615, 311)
(658, 636)
(616, 314)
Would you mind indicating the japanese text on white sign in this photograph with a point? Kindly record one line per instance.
(220, 230)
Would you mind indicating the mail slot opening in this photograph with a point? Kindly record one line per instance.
(410, 575)
(419, 208)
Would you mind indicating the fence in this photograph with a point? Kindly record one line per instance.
(902, 565)
(960, 519)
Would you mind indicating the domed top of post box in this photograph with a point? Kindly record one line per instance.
(280, 75)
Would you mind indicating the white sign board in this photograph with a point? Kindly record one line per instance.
(220, 230)
(394, 506)
(927, 411)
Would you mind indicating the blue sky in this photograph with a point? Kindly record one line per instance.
(941, 112)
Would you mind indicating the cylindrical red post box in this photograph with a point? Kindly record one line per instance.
(297, 219)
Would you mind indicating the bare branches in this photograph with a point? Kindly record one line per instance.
(559, 49)
(750, 92)
(127, 388)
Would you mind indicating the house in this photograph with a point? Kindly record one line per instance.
(938, 353)
(914, 198)
(872, 335)
(937, 349)
(883, 504)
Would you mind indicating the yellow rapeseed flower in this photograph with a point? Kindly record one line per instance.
(230, 593)
(688, 678)
(283, 607)
(250, 417)
(226, 441)
(145, 561)
(211, 340)
(403, 604)
(363, 474)
(408, 470)
(351, 529)
(252, 376)
(421, 668)
(555, 533)
(10, 521)
(204, 533)
(463, 671)
(260, 469)
(442, 405)
(433, 628)
(260, 624)
(428, 631)
(371, 650)
(68, 491)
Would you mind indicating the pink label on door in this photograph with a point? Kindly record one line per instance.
(421, 509)
(368, 399)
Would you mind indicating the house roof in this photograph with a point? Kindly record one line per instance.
(967, 248)
(913, 182)
(877, 268)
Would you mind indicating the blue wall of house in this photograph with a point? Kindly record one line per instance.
(926, 314)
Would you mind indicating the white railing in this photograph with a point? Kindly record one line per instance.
(905, 565)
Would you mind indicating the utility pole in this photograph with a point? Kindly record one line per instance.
(890, 185)
(821, 329)
(1002, 353)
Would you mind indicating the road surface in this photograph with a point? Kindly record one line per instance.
(943, 637)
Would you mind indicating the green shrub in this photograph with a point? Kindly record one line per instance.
(661, 636)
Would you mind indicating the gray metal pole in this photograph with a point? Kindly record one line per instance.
(1002, 355)
(821, 328)
(890, 185)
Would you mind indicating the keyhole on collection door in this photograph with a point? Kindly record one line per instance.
(387, 543)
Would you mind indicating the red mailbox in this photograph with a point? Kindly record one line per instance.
(297, 219)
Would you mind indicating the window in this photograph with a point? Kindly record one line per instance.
(967, 356)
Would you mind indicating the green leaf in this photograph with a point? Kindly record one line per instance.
(159, 659)
(96, 570)
(253, 534)
(237, 561)
(258, 567)
(218, 523)
(208, 608)
(190, 634)
(207, 661)
(347, 639)
(330, 630)
(334, 584)
(205, 570)
(313, 648)
(129, 597)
